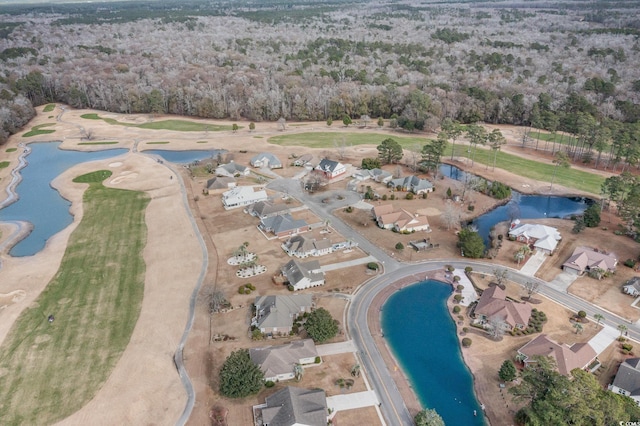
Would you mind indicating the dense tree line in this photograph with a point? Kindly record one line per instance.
(313, 61)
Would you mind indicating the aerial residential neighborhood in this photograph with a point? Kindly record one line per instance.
(319, 213)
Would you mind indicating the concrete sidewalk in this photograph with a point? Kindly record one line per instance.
(533, 264)
(351, 401)
(355, 262)
(336, 348)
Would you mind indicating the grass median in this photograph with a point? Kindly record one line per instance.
(49, 370)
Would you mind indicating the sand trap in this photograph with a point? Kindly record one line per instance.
(116, 164)
(429, 211)
(123, 176)
(12, 297)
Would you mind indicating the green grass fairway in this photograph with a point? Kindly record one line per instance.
(177, 125)
(571, 178)
(551, 137)
(11, 149)
(327, 139)
(4, 164)
(49, 107)
(39, 130)
(158, 143)
(49, 371)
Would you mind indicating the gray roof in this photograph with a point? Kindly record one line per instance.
(279, 311)
(273, 160)
(300, 244)
(267, 208)
(220, 182)
(282, 223)
(280, 359)
(233, 168)
(295, 271)
(293, 405)
(628, 376)
(412, 183)
(327, 165)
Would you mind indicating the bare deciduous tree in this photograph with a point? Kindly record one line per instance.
(451, 215)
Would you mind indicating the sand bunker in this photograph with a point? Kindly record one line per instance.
(123, 176)
(116, 164)
(12, 297)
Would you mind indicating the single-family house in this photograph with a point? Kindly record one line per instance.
(221, 182)
(632, 287)
(292, 406)
(275, 314)
(494, 304)
(567, 358)
(302, 247)
(627, 380)
(303, 160)
(399, 220)
(232, 169)
(278, 362)
(330, 169)
(543, 238)
(377, 175)
(585, 259)
(283, 225)
(242, 196)
(412, 184)
(265, 159)
(303, 275)
(267, 208)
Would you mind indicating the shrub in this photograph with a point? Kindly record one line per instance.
(250, 287)
(466, 342)
(465, 329)
(630, 263)
(582, 314)
(349, 209)
(468, 269)
(457, 298)
(627, 347)
(456, 278)
(317, 360)
(241, 289)
(373, 266)
(392, 197)
(456, 309)
(399, 246)
(269, 384)
(409, 196)
(460, 287)
(471, 207)
(290, 287)
(384, 197)
(450, 268)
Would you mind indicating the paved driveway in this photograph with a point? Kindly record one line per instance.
(352, 401)
(336, 348)
(533, 264)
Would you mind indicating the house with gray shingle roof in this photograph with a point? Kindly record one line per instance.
(302, 247)
(293, 406)
(278, 362)
(303, 160)
(627, 380)
(377, 175)
(303, 275)
(283, 225)
(266, 159)
(221, 182)
(231, 170)
(275, 314)
(412, 184)
(632, 287)
(267, 208)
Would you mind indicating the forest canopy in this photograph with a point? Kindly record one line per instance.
(553, 67)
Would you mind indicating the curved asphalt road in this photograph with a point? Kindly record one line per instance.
(392, 405)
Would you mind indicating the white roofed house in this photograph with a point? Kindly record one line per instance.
(543, 238)
(275, 314)
(242, 196)
(266, 159)
(330, 169)
(303, 275)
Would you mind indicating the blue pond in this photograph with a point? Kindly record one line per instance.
(522, 206)
(422, 336)
(184, 157)
(38, 202)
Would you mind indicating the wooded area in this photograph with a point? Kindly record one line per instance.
(569, 66)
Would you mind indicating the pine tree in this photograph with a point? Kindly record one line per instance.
(507, 371)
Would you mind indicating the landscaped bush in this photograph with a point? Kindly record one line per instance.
(290, 287)
(466, 342)
(468, 269)
(399, 246)
(384, 197)
(373, 266)
(317, 360)
(459, 287)
(630, 263)
(269, 384)
(456, 309)
(471, 207)
(450, 268)
(250, 287)
(457, 298)
(456, 278)
(582, 314)
(349, 209)
(409, 196)
(627, 347)
(241, 289)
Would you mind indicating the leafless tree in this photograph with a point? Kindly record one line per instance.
(501, 275)
(451, 215)
(341, 147)
(531, 287)
(496, 327)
